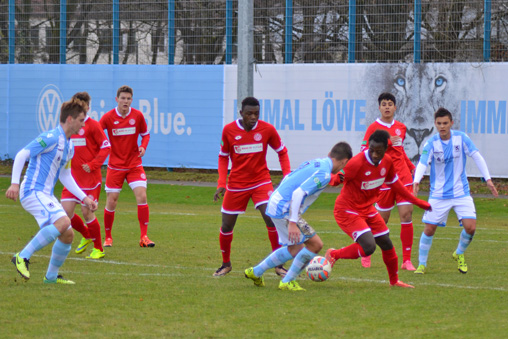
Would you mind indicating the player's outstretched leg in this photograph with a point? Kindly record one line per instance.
(258, 281)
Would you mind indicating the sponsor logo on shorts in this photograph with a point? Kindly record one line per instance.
(124, 131)
(143, 176)
(246, 149)
(369, 185)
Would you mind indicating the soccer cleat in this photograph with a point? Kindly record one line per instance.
(21, 266)
(59, 280)
(407, 265)
(108, 242)
(222, 271)
(145, 242)
(83, 245)
(420, 269)
(366, 262)
(280, 271)
(402, 284)
(96, 254)
(258, 281)
(290, 286)
(459, 258)
(329, 257)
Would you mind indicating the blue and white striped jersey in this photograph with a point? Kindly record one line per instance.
(312, 177)
(49, 152)
(447, 159)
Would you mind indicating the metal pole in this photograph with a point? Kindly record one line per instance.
(245, 77)
(487, 30)
(351, 45)
(116, 30)
(288, 34)
(171, 32)
(63, 31)
(12, 31)
(417, 47)
(229, 32)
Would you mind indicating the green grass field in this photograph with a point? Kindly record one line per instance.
(169, 291)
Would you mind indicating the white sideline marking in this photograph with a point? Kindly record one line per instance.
(268, 276)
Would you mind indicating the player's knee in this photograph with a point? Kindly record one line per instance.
(314, 244)
(368, 247)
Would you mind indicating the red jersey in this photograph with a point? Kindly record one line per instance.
(362, 182)
(403, 165)
(123, 133)
(91, 147)
(247, 151)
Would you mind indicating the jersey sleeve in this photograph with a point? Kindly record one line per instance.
(468, 145)
(427, 152)
(41, 144)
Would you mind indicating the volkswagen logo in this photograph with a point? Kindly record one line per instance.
(48, 108)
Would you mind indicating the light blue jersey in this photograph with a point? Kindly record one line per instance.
(448, 178)
(49, 152)
(312, 177)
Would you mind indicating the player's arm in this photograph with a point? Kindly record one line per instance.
(399, 188)
(284, 161)
(223, 176)
(337, 179)
(278, 146)
(482, 166)
(68, 181)
(144, 143)
(420, 170)
(294, 210)
(17, 167)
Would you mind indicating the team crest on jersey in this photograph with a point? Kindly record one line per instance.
(457, 148)
(132, 121)
(383, 171)
(257, 137)
(81, 131)
(238, 137)
(398, 131)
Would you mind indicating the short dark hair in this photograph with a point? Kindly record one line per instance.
(73, 107)
(442, 112)
(124, 89)
(341, 150)
(386, 96)
(84, 96)
(380, 135)
(250, 101)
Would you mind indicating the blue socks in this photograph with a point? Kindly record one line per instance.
(276, 258)
(301, 260)
(464, 241)
(58, 256)
(425, 244)
(44, 237)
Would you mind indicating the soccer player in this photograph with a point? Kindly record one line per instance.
(91, 148)
(290, 200)
(124, 125)
(446, 152)
(404, 167)
(50, 159)
(354, 212)
(245, 141)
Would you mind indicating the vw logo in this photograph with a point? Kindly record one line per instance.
(48, 108)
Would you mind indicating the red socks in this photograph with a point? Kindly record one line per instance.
(406, 238)
(78, 224)
(143, 218)
(95, 232)
(392, 264)
(353, 251)
(273, 236)
(225, 240)
(109, 217)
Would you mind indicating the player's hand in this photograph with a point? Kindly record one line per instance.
(141, 151)
(492, 188)
(12, 192)
(293, 233)
(92, 205)
(416, 188)
(219, 193)
(86, 168)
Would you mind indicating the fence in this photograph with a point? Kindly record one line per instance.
(285, 31)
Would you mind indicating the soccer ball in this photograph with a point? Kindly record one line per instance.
(318, 269)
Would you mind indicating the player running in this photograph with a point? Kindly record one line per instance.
(124, 125)
(354, 212)
(245, 141)
(446, 152)
(404, 167)
(91, 148)
(290, 200)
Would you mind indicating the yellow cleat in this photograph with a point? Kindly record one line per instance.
(459, 258)
(59, 280)
(290, 286)
(258, 281)
(96, 254)
(83, 245)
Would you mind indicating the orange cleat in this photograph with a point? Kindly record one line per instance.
(407, 265)
(145, 242)
(108, 242)
(402, 284)
(328, 256)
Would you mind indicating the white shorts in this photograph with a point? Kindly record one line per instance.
(281, 225)
(46, 209)
(463, 207)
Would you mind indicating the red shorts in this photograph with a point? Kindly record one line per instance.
(235, 202)
(135, 177)
(355, 225)
(388, 198)
(94, 193)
